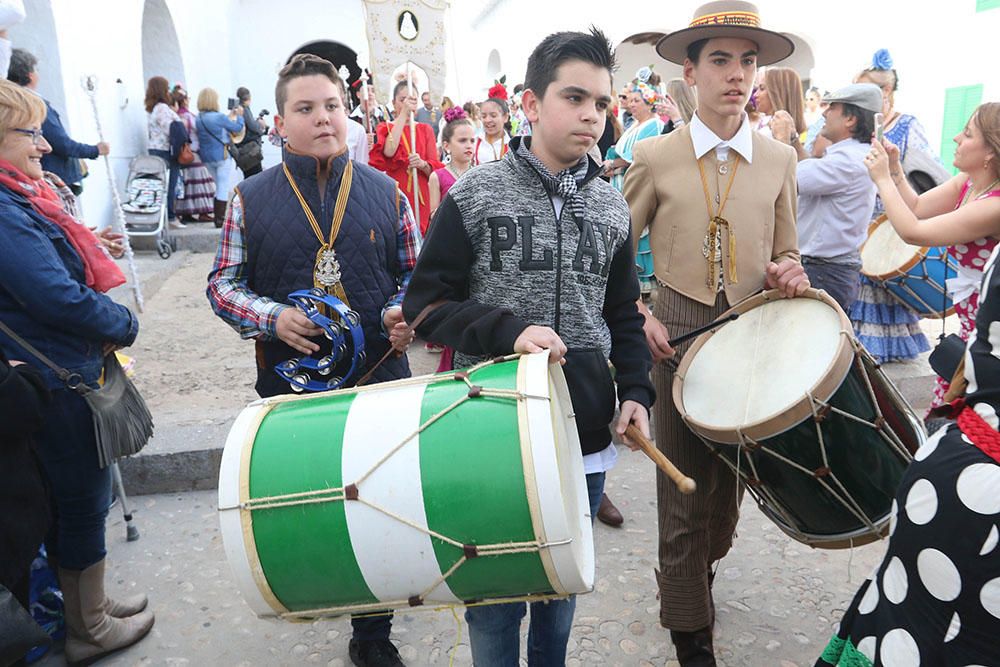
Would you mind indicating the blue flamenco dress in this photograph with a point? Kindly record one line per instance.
(889, 330)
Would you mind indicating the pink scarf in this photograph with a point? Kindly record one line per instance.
(100, 271)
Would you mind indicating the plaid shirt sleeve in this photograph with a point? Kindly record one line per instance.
(408, 246)
(249, 314)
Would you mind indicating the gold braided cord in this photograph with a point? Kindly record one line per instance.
(340, 207)
(340, 494)
(716, 222)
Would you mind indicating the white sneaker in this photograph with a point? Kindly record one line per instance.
(176, 224)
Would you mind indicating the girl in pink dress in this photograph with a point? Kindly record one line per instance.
(458, 140)
(934, 219)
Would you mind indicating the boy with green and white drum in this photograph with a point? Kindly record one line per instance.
(286, 226)
(533, 252)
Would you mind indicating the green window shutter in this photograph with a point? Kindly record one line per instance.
(983, 5)
(959, 103)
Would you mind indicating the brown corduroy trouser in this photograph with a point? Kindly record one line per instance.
(695, 530)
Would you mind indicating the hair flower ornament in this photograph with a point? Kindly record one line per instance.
(454, 113)
(645, 91)
(644, 73)
(882, 60)
(499, 89)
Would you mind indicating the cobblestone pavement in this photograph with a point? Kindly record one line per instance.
(778, 601)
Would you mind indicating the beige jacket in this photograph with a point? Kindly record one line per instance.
(664, 192)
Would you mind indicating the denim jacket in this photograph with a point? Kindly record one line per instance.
(45, 300)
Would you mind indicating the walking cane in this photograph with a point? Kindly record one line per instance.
(89, 84)
(368, 104)
(413, 145)
(131, 532)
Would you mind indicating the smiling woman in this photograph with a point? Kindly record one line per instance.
(53, 273)
(22, 142)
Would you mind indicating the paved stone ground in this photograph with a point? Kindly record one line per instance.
(778, 601)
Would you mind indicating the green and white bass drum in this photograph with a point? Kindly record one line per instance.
(450, 489)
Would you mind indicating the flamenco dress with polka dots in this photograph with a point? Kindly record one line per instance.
(934, 600)
(971, 257)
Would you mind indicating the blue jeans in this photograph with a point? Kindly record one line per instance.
(841, 281)
(81, 491)
(495, 630)
(175, 171)
(224, 174)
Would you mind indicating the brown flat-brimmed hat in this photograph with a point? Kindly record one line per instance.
(726, 18)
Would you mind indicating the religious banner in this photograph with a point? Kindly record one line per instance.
(406, 30)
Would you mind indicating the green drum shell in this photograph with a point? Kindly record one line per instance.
(471, 475)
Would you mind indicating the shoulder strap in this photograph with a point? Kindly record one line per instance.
(60, 372)
(209, 131)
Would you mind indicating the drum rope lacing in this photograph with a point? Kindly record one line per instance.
(820, 411)
(351, 492)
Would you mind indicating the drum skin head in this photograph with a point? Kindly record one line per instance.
(884, 255)
(755, 374)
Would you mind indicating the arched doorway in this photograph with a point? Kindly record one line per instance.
(493, 67)
(801, 60)
(38, 36)
(639, 50)
(161, 51)
(338, 54)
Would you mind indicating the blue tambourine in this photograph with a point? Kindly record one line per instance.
(345, 335)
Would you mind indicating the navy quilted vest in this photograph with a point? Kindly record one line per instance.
(281, 252)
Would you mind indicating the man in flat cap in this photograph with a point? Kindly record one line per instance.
(836, 196)
(719, 202)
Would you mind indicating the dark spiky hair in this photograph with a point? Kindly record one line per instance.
(560, 47)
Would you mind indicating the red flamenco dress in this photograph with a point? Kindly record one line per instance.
(397, 166)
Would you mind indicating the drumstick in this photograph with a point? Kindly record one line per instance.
(683, 338)
(684, 483)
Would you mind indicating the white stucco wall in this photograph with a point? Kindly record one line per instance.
(228, 43)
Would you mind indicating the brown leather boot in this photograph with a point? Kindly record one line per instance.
(125, 607)
(608, 513)
(91, 633)
(694, 649)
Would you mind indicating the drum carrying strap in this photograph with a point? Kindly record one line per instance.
(413, 327)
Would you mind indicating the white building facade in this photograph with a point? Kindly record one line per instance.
(942, 52)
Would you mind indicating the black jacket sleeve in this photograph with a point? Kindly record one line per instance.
(629, 352)
(255, 130)
(441, 277)
(22, 400)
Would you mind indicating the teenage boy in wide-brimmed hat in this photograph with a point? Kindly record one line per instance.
(719, 201)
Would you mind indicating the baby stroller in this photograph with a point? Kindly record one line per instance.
(145, 206)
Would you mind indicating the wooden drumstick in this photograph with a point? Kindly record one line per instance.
(684, 483)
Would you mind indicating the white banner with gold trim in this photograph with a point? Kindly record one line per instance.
(401, 31)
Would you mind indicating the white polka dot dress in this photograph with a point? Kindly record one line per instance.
(935, 598)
